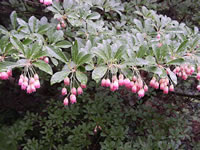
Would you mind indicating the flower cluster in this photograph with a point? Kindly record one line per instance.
(45, 59)
(198, 77)
(29, 84)
(163, 84)
(136, 85)
(184, 71)
(73, 93)
(6, 75)
(46, 2)
(61, 24)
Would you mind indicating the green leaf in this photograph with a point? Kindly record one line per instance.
(43, 28)
(109, 51)
(177, 61)
(82, 78)
(38, 54)
(3, 30)
(43, 66)
(84, 59)
(52, 9)
(163, 50)
(67, 4)
(195, 42)
(4, 66)
(54, 61)
(17, 44)
(119, 52)
(24, 26)
(172, 76)
(99, 72)
(35, 51)
(63, 44)
(13, 18)
(21, 22)
(93, 16)
(59, 76)
(74, 51)
(27, 41)
(57, 6)
(101, 54)
(55, 52)
(57, 36)
(8, 48)
(182, 46)
(154, 69)
(156, 51)
(141, 51)
(138, 24)
(89, 67)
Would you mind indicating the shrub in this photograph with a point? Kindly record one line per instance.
(101, 121)
(90, 42)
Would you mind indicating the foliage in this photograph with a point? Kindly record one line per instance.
(100, 121)
(100, 40)
(91, 41)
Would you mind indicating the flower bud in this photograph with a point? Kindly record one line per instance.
(66, 102)
(79, 90)
(73, 91)
(72, 98)
(64, 91)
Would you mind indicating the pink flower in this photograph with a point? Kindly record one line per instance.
(4, 76)
(47, 2)
(64, 91)
(107, 82)
(171, 88)
(145, 88)
(33, 89)
(24, 85)
(198, 87)
(141, 93)
(31, 81)
(152, 83)
(156, 85)
(103, 82)
(126, 82)
(66, 81)
(198, 76)
(72, 98)
(20, 81)
(46, 60)
(121, 82)
(134, 78)
(66, 102)
(58, 26)
(83, 86)
(29, 90)
(166, 90)
(36, 77)
(79, 90)
(112, 87)
(73, 91)
(37, 84)
(134, 89)
(115, 85)
(25, 79)
(9, 72)
(162, 86)
(158, 36)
